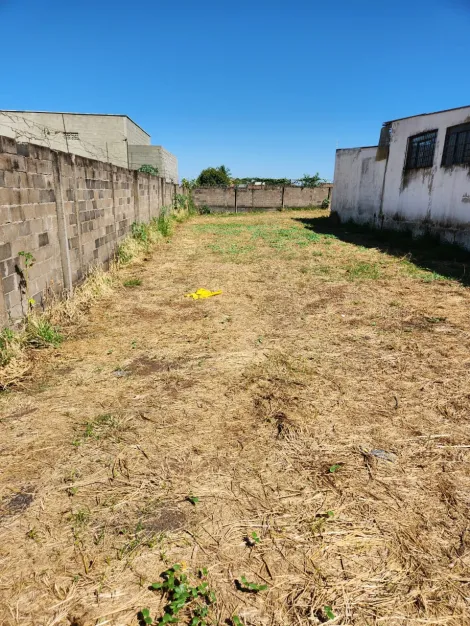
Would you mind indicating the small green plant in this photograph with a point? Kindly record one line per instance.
(193, 499)
(329, 612)
(325, 203)
(132, 282)
(163, 224)
(252, 539)
(204, 210)
(41, 334)
(29, 261)
(149, 169)
(181, 594)
(236, 621)
(334, 468)
(246, 586)
(140, 231)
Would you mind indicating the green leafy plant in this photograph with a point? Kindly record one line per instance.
(40, 333)
(247, 586)
(236, 621)
(334, 468)
(181, 594)
(149, 169)
(29, 261)
(193, 499)
(163, 224)
(204, 210)
(325, 203)
(311, 181)
(329, 612)
(213, 176)
(140, 231)
(132, 282)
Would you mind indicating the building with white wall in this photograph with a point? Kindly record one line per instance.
(110, 138)
(418, 177)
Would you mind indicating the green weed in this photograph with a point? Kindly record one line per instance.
(334, 468)
(193, 500)
(363, 271)
(329, 612)
(246, 586)
(96, 429)
(132, 282)
(181, 594)
(41, 334)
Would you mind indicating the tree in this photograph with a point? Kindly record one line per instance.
(213, 176)
(311, 181)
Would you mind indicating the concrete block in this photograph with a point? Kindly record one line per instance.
(33, 196)
(5, 162)
(17, 214)
(18, 163)
(5, 251)
(31, 165)
(39, 181)
(24, 197)
(2, 179)
(8, 145)
(9, 284)
(5, 217)
(43, 239)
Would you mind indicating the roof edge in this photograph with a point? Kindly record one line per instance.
(76, 113)
(408, 117)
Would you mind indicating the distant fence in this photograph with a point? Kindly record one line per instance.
(251, 198)
(69, 212)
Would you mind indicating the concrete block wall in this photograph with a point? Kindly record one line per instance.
(69, 212)
(165, 162)
(244, 199)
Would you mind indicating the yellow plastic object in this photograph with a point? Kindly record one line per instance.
(202, 293)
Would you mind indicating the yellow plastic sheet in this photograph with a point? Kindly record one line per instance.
(202, 293)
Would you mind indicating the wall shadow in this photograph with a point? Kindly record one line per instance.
(450, 261)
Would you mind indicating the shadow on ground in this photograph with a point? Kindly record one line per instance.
(450, 261)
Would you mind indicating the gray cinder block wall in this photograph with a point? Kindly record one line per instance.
(69, 212)
(242, 199)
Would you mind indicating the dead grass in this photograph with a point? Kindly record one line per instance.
(317, 354)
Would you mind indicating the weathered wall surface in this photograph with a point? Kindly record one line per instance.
(164, 161)
(380, 191)
(359, 179)
(231, 199)
(70, 212)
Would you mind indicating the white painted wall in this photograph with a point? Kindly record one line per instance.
(358, 184)
(435, 193)
(438, 195)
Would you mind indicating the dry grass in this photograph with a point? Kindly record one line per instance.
(266, 403)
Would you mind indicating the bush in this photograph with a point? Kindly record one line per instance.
(325, 204)
(149, 169)
(204, 210)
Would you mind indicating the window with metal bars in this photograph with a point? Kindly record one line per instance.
(457, 146)
(421, 150)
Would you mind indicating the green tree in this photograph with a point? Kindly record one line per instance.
(311, 181)
(212, 176)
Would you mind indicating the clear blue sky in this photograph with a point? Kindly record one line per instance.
(268, 88)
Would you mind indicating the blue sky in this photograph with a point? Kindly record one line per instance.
(268, 88)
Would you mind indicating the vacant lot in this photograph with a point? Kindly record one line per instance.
(307, 430)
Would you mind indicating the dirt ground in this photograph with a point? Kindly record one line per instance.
(320, 402)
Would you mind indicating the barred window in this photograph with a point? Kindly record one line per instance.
(421, 150)
(457, 146)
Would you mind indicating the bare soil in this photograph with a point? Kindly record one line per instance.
(277, 405)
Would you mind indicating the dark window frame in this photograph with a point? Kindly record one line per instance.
(457, 146)
(419, 155)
